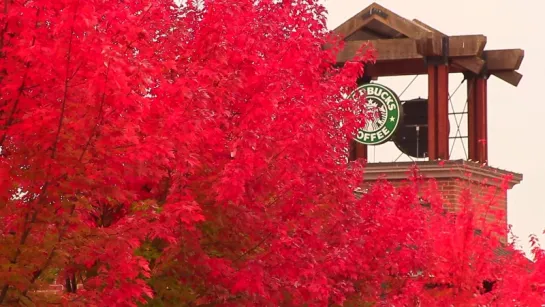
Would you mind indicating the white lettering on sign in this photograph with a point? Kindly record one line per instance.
(381, 110)
(384, 95)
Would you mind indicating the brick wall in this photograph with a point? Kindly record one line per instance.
(456, 179)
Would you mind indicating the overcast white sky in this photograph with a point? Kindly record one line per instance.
(515, 114)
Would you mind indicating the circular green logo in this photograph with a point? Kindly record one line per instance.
(381, 109)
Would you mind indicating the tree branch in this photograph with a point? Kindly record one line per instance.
(100, 115)
(254, 247)
(11, 115)
(27, 230)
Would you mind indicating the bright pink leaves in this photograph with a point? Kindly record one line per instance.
(198, 155)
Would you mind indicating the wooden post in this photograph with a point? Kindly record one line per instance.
(471, 116)
(438, 129)
(432, 111)
(477, 118)
(442, 113)
(359, 150)
(482, 123)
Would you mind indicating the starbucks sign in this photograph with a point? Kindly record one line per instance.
(382, 110)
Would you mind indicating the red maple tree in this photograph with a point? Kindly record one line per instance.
(196, 154)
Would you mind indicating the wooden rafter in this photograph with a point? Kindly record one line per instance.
(397, 23)
(511, 77)
(507, 59)
(352, 25)
(427, 27)
(504, 63)
(410, 48)
(376, 12)
(355, 23)
(473, 64)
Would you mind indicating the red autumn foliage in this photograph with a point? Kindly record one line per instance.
(201, 150)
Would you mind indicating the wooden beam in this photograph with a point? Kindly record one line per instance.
(431, 45)
(466, 45)
(511, 77)
(474, 44)
(459, 46)
(418, 67)
(398, 23)
(397, 68)
(427, 27)
(387, 49)
(433, 40)
(354, 24)
(408, 48)
(508, 59)
(376, 13)
(473, 64)
(364, 34)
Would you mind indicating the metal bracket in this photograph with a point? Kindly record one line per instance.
(375, 11)
(445, 41)
(484, 72)
(442, 59)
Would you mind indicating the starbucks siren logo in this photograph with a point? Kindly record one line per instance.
(381, 111)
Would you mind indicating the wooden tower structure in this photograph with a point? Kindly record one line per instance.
(411, 47)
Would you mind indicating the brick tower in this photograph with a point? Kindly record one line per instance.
(420, 128)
